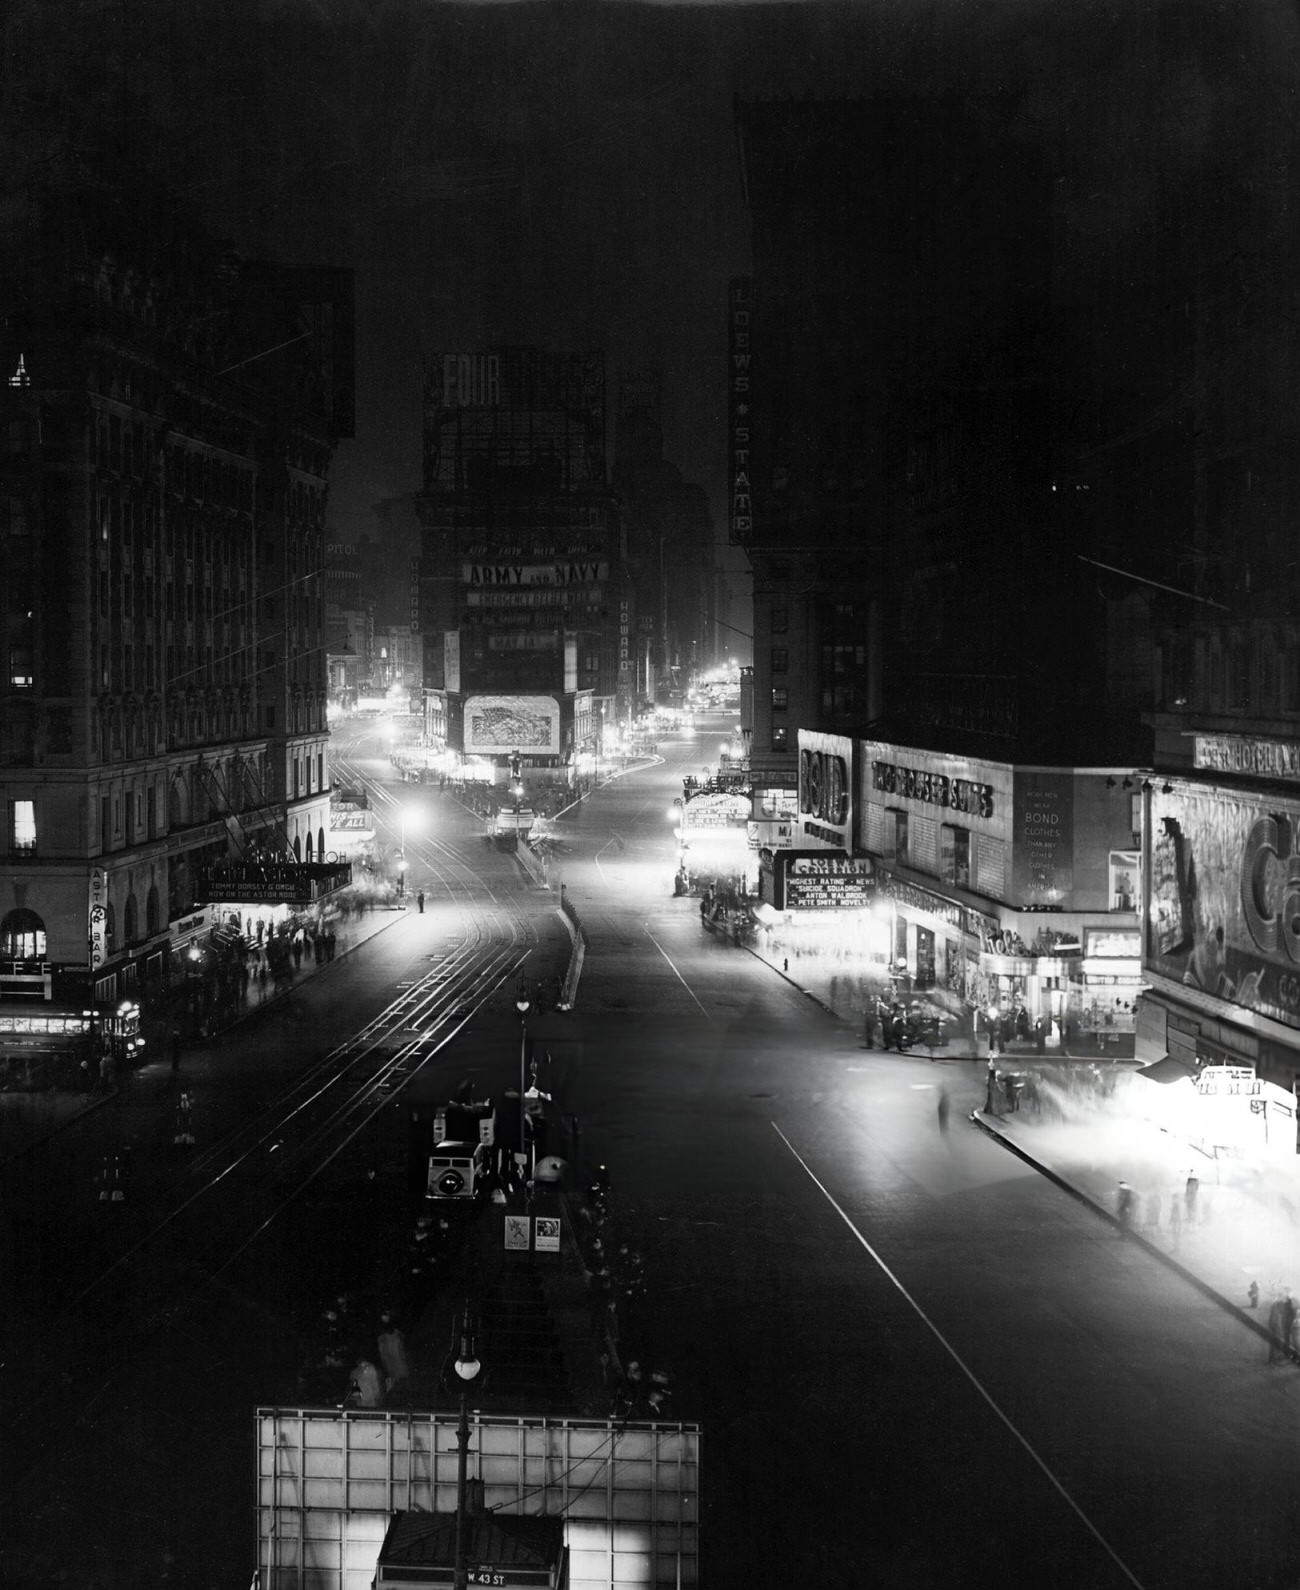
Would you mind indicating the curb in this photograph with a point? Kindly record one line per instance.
(1243, 1315)
(101, 1099)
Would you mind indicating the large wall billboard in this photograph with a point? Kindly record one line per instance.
(497, 725)
(1223, 898)
(1042, 838)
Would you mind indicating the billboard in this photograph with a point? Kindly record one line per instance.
(1042, 837)
(826, 788)
(497, 725)
(1223, 898)
(812, 880)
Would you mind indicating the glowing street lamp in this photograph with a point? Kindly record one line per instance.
(522, 1004)
(412, 817)
(468, 1369)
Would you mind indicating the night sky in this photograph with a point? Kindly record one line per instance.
(566, 174)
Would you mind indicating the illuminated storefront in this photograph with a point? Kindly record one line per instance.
(1012, 890)
(713, 841)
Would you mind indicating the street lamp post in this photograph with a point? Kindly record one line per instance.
(522, 1004)
(404, 815)
(467, 1367)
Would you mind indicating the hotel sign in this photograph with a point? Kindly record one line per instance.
(1231, 753)
(739, 356)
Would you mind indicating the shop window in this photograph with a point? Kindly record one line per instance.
(780, 698)
(780, 739)
(780, 620)
(954, 856)
(22, 828)
(780, 659)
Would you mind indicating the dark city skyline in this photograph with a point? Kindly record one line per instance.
(566, 175)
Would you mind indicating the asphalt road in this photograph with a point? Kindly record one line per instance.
(916, 1362)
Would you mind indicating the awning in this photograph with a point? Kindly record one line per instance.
(1167, 1069)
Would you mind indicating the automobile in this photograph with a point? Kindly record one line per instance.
(458, 1171)
(512, 820)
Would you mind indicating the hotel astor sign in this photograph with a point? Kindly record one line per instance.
(1234, 753)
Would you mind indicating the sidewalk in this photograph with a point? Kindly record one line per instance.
(1241, 1227)
(28, 1119)
(1244, 1222)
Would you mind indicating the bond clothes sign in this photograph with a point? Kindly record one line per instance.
(498, 725)
(1042, 844)
(1223, 898)
(816, 880)
(825, 787)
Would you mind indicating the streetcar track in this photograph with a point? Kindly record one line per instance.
(291, 1142)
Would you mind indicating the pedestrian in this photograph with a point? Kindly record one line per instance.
(419, 900)
(184, 1133)
(1252, 1294)
(1124, 1205)
(392, 1355)
(991, 1087)
(365, 1386)
(106, 1069)
(1190, 1192)
(176, 1049)
(1281, 1325)
(944, 1105)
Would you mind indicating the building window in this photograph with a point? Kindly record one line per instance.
(780, 659)
(20, 668)
(780, 620)
(955, 855)
(780, 739)
(22, 828)
(900, 837)
(780, 698)
(22, 937)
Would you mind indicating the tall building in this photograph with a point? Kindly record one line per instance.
(526, 610)
(169, 417)
(669, 533)
(931, 659)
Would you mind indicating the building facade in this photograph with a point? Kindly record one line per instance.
(162, 711)
(527, 615)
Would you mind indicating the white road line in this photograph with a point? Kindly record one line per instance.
(676, 973)
(965, 1369)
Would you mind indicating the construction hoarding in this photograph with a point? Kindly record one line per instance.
(329, 1482)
